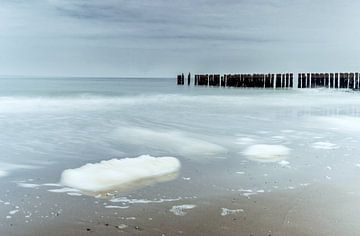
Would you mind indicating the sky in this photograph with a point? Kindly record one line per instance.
(161, 38)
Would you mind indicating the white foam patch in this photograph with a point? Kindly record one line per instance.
(28, 185)
(51, 185)
(338, 123)
(63, 190)
(225, 211)
(126, 200)
(324, 145)
(245, 141)
(122, 226)
(170, 141)
(116, 207)
(74, 194)
(266, 153)
(6, 168)
(112, 174)
(284, 163)
(180, 209)
(13, 212)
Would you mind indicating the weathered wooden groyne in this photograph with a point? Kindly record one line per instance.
(279, 80)
(329, 80)
(285, 80)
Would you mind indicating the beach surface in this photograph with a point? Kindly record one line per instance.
(103, 156)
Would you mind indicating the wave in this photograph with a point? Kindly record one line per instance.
(18, 104)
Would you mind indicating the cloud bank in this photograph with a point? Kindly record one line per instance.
(162, 38)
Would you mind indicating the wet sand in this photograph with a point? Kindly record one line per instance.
(311, 210)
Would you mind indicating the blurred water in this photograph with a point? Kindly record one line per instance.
(51, 124)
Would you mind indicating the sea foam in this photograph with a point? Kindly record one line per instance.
(266, 153)
(171, 141)
(324, 145)
(338, 123)
(181, 209)
(119, 173)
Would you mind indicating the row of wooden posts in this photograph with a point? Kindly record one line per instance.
(329, 80)
(282, 80)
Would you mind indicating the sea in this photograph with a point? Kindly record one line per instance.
(235, 161)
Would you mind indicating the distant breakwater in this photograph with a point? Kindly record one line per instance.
(280, 80)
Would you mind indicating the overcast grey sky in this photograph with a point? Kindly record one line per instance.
(165, 37)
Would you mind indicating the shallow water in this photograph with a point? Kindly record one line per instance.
(309, 139)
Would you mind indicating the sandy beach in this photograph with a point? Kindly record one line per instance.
(132, 163)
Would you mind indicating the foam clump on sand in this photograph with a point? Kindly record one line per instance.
(225, 211)
(284, 163)
(180, 210)
(116, 173)
(266, 153)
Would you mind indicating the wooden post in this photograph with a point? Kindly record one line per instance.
(211, 80)
(268, 83)
(279, 81)
(203, 80)
(303, 80)
(287, 78)
(322, 82)
(216, 80)
(273, 81)
(263, 80)
(352, 80)
(327, 78)
(236, 80)
(179, 82)
(342, 80)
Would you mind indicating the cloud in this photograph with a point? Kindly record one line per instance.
(92, 37)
